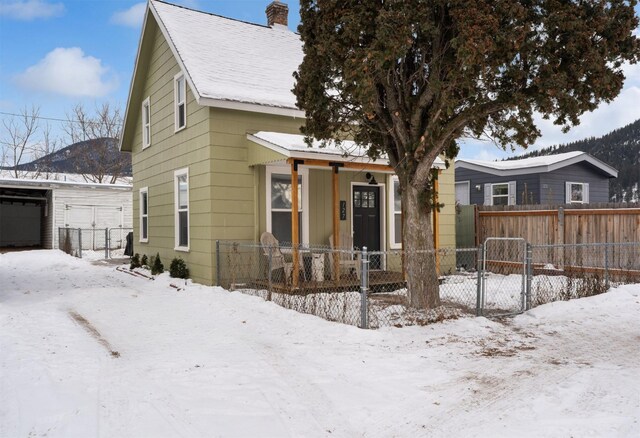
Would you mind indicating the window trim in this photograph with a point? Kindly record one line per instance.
(585, 192)
(500, 196)
(177, 210)
(304, 205)
(392, 213)
(144, 190)
(146, 138)
(177, 104)
(511, 192)
(468, 190)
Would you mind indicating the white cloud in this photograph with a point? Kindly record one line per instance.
(131, 17)
(30, 9)
(69, 72)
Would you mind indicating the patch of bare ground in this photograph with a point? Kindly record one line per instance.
(93, 332)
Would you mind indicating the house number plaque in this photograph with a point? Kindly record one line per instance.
(343, 210)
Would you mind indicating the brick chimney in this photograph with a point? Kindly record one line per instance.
(277, 13)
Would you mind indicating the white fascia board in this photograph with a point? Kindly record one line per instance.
(176, 55)
(499, 172)
(312, 155)
(438, 164)
(220, 103)
(613, 173)
(251, 107)
(133, 76)
(50, 184)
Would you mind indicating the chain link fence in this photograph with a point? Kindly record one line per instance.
(563, 272)
(70, 241)
(369, 289)
(116, 242)
(74, 241)
(345, 285)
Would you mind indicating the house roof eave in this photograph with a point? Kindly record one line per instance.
(584, 157)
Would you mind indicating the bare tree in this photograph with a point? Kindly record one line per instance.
(43, 152)
(18, 139)
(98, 160)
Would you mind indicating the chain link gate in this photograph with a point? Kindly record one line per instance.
(503, 279)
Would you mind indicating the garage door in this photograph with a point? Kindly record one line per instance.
(79, 216)
(20, 225)
(92, 216)
(93, 220)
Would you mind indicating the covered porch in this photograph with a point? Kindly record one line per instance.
(354, 203)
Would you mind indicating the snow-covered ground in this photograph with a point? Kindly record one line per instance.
(86, 350)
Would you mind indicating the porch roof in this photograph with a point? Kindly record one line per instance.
(288, 146)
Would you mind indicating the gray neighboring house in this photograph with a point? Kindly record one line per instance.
(571, 178)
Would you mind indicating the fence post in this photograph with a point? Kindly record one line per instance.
(80, 242)
(106, 243)
(217, 263)
(479, 281)
(364, 287)
(269, 269)
(561, 236)
(606, 266)
(529, 277)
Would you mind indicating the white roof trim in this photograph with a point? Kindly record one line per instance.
(251, 107)
(236, 64)
(498, 168)
(172, 46)
(133, 76)
(52, 184)
(313, 153)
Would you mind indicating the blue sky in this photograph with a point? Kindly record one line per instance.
(57, 53)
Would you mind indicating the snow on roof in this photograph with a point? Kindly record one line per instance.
(292, 145)
(30, 179)
(524, 163)
(546, 163)
(233, 60)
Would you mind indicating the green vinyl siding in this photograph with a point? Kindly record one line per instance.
(227, 177)
(235, 207)
(169, 151)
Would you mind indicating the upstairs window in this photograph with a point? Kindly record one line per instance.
(146, 123)
(180, 99)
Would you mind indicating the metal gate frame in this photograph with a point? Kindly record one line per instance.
(524, 287)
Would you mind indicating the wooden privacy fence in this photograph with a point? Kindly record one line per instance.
(564, 224)
(563, 227)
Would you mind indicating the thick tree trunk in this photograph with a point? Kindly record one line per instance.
(420, 261)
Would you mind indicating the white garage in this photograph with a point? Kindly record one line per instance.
(33, 211)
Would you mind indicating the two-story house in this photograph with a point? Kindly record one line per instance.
(214, 132)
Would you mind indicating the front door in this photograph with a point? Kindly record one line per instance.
(366, 221)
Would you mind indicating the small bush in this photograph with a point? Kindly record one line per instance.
(135, 261)
(156, 265)
(144, 261)
(178, 268)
